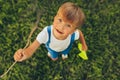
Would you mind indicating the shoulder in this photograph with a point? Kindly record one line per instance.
(42, 37)
(77, 31)
(47, 28)
(77, 34)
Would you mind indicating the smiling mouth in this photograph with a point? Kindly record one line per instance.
(59, 31)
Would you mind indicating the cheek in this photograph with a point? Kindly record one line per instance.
(54, 23)
(69, 31)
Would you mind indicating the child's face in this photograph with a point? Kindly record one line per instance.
(62, 28)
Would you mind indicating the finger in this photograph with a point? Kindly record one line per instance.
(18, 55)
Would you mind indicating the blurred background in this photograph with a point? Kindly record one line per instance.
(101, 30)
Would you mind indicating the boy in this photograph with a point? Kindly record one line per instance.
(58, 37)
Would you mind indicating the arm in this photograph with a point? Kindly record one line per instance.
(21, 54)
(82, 40)
(31, 49)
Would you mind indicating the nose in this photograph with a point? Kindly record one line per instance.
(62, 26)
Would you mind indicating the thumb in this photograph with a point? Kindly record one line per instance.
(23, 56)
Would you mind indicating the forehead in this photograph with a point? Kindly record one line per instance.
(64, 18)
(69, 14)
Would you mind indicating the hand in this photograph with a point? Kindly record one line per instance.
(19, 55)
(84, 47)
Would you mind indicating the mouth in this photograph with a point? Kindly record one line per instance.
(59, 31)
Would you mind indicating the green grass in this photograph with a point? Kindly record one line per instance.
(101, 30)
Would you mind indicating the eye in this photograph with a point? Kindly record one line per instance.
(60, 20)
(68, 25)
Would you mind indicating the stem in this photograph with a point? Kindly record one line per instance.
(27, 44)
(8, 69)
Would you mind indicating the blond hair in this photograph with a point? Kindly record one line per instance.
(72, 13)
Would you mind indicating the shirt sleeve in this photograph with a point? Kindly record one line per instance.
(42, 37)
(77, 35)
